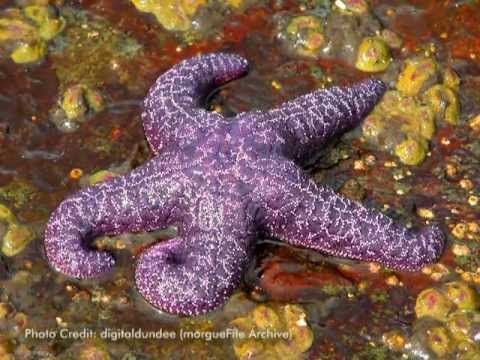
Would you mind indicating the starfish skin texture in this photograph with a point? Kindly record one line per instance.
(223, 182)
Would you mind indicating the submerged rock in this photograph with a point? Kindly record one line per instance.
(26, 31)
(94, 53)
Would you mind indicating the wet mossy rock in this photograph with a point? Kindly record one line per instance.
(26, 31)
(99, 51)
(177, 15)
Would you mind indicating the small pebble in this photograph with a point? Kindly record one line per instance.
(473, 200)
(392, 281)
(76, 174)
(394, 340)
(466, 184)
(473, 227)
(359, 165)
(370, 160)
(474, 123)
(460, 250)
(374, 267)
(451, 170)
(459, 230)
(445, 141)
(425, 213)
(276, 85)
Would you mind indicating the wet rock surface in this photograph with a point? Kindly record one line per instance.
(86, 65)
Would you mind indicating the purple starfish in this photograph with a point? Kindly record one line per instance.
(222, 182)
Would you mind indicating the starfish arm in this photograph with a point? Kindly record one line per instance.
(304, 214)
(304, 124)
(139, 201)
(196, 272)
(173, 113)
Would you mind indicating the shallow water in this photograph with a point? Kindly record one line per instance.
(114, 48)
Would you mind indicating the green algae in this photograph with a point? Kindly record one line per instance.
(317, 7)
(335, 290)
(17, 193)
(433, 303)
(79, 99)
(470, 262)
(374, 352)
(91, 50)
(447, 320)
